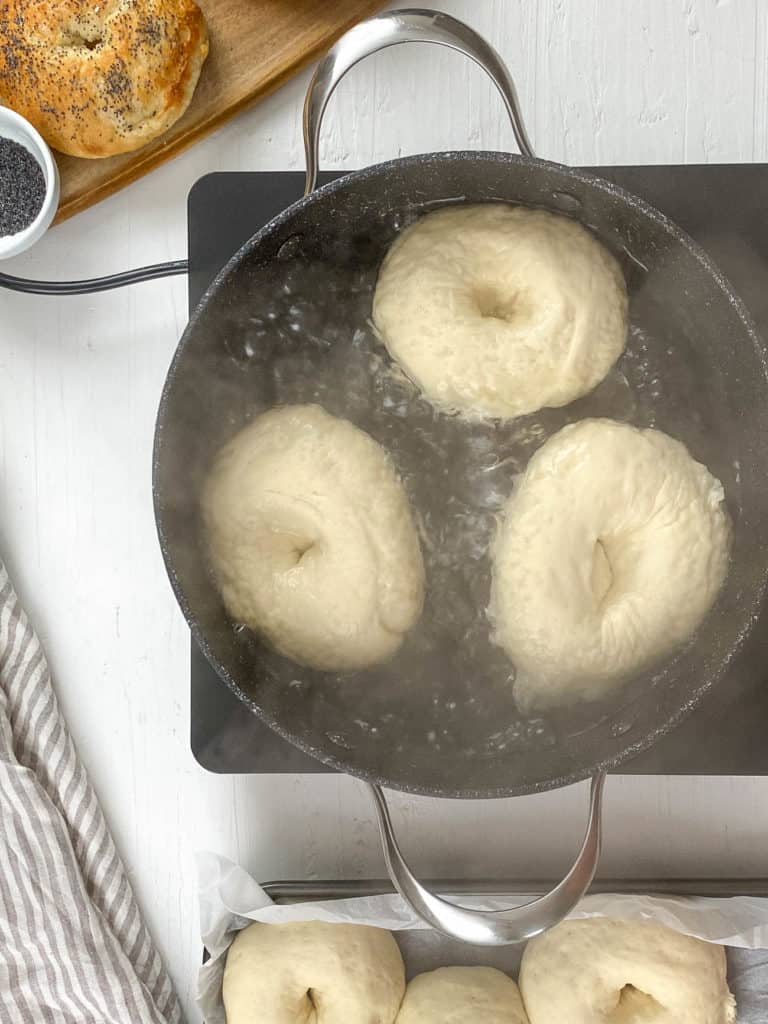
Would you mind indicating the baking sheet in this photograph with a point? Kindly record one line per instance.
(230, 899)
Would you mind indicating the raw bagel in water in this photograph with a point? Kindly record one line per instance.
(498, 310)
(462, 995)
(311, 539)
(617, 972)
(314, 973)
(611, 550)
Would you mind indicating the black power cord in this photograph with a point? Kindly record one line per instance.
(94, 284)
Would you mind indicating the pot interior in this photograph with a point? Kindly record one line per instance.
(288, 321)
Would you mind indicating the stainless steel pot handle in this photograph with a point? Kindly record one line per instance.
(388, 29)
(498, 927)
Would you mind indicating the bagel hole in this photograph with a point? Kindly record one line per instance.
(301, 548)
(635, 1007)
(82, 33)
(493, 306)
(602, 573)
(77, 41)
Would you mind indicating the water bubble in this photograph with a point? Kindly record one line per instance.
(340, 740)
(621, 727)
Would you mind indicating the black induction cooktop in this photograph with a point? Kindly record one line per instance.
(725, 208)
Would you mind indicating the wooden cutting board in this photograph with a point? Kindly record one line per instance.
(255, 46)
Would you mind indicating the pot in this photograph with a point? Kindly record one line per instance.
(286, 321)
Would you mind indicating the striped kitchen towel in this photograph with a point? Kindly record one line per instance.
(73, 946)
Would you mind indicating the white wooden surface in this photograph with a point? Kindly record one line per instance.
(614, 81)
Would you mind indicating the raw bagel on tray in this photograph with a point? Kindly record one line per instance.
(313, 972)
(609, 970)
(462, 995)
(498, 310)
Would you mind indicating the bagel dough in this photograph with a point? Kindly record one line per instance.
(611, 550)
(607, 971)
(462, 995)
(499, 310)
(311, 539)
(311, 972)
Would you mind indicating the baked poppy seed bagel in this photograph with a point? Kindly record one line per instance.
(610, 552)
(312, 972)
(621, 972)
(97, 79)
(496, 310)
(311, 539)
(462, 995)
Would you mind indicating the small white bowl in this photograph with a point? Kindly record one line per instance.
(14, 126)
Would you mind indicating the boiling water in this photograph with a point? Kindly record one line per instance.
(304, 335)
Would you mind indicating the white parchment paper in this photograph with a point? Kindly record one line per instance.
(230, 899)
